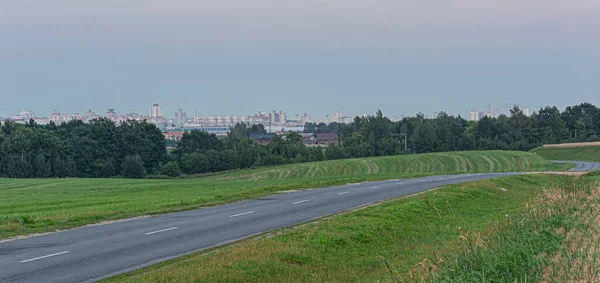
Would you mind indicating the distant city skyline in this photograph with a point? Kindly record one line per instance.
(157, 108)
(402, 57)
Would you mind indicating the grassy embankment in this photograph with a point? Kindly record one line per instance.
(538, 227)
(42, 205)
(586, 153)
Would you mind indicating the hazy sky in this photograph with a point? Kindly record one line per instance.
(238, 57)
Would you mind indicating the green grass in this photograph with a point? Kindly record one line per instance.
(588, 153)
(360, 246)
(43, 205)
(392, 166)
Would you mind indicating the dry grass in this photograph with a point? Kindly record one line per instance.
(555, 239)
(572, 145)
(578, 260)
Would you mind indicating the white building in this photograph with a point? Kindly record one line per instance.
(156, 111)
(24, 116)
(282, 118)
(473, 116)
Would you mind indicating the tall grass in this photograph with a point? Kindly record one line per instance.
(555, 238)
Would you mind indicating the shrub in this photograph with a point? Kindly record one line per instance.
(171, 169)
(133, 167)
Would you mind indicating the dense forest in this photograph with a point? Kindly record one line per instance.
(136, 149)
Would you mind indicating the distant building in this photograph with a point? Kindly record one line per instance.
(393, 119)
(173, 135)
(337, 117)
(110, 114)
(57, 118)
(495, 113)
(526, 112)
(24, 116)
(282, 118)
(180, 118)
(305, 119)
(90, 115)
(473, 116)
(262, 138)
(327, 139)
(156, 111)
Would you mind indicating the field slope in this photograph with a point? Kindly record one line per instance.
(43, 205)
(587, 153)
(394, 166)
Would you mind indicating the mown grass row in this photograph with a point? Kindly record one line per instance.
(451, 162)
(380, 243)
(42, 205)
(588, 153)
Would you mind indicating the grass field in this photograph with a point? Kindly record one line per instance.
(589, 153)
(402, 240)
(43, 205)
(430, 163)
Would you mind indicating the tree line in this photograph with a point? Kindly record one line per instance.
(136, 149)
(99, 148)
(377, 135)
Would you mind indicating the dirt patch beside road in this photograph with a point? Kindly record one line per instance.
(571, 145)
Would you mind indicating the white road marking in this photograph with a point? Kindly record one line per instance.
(423, 180)
(299, 202)
(46, 256)
(245, 213)
(375, 187)
(159, 231)
(343, 193)
(399, 183)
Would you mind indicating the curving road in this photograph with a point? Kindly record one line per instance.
(580, 165)
(95, 252)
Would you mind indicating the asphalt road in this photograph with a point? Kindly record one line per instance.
(581, 166)
(95, 252)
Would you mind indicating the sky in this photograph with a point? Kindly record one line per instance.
(318, 56)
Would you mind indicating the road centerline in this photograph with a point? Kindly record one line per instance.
(302, 201)
(42, 257)
(374, 187)
(160, 231)
(240, 214)
(343, 193)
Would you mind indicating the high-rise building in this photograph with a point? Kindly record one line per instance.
(156, 111)
(282, 118)
(110, 114)
(180, 118)
(526, 112)
(473, 116)
(337, 117)
(495, 113)
(24, 116)
(305, 119)
(90, 115)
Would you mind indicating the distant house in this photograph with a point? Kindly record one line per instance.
(327, 139)
(309, 139)
(262, 138)
(173, 136)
